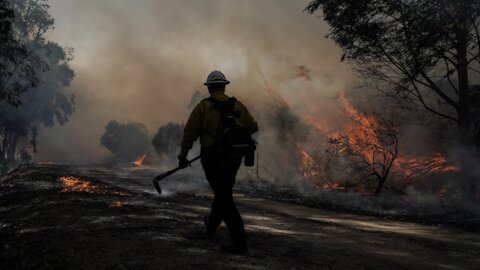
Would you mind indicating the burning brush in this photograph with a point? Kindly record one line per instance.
(140, 160)
(75, 184)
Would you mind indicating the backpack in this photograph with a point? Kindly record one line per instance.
(232, 139)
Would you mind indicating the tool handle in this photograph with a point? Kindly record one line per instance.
(194, 159)
(168, 173)
(165, 174)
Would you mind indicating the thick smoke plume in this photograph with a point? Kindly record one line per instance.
(143, 62)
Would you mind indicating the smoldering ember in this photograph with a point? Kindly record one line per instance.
(352, 140)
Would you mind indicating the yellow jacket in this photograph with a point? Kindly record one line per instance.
(205, 120)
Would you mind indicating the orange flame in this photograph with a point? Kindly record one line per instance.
(318, 125)
(417, 166)
(115, 204)
(330, 185)
(139, 161)
(74, 184)
(307, 164)
(360, 130)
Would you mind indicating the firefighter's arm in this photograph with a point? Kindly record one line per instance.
(191, 132)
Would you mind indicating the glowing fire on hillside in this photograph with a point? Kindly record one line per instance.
(75, 184)
(115, 204)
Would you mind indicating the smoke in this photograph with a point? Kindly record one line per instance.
(142, 62)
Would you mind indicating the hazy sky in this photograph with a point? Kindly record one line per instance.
(142, 60)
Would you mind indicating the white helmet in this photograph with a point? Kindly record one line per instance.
(216, 77)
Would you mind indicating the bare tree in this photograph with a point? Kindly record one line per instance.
(368, 151)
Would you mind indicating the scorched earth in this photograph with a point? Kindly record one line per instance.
(70, 217)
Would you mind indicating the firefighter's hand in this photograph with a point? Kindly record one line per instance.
(183, 162)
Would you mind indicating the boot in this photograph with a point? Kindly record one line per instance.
(208, 231)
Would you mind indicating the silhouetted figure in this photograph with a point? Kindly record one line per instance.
(224, 126)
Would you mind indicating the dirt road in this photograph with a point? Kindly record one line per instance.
(50, 222)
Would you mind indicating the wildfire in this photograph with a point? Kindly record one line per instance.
(139, 161)
(360, 129)
(75, 184)
(318, 125)
(330, 185)
(359, 132)
(372, 137)
(308, 166)
(115, 204)
(412, 167)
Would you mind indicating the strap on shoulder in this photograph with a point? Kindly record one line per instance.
(216, 101)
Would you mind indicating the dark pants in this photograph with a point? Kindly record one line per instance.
(220, 173)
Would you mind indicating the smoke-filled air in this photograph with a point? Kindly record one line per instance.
(345, 112)
(144, 62)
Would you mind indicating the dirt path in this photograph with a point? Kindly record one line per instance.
(46, 224)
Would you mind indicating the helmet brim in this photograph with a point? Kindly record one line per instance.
(217, 82)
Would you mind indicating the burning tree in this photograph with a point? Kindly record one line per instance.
(167, 140)
(423, 54)
(368, 151)
(33, 78)
(127, 141)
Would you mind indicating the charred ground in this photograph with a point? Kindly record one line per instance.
(83, 222)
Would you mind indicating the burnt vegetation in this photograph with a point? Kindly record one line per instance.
(368, 153)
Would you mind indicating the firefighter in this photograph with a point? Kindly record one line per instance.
(205, 122)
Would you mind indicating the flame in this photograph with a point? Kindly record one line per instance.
(139, 161)
(318, 125)
(416, 166)
(359, 134)
(330, 185)
(75, 184)
(115, 204)
(308, 166)
(360, 130)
